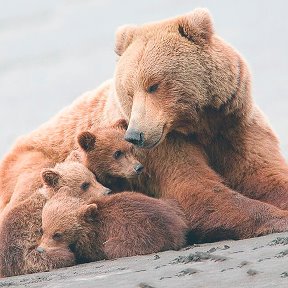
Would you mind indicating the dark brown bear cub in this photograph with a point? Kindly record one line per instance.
(119, 225)
(109, 157)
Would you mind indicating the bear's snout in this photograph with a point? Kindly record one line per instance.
(138, 168)
(107, 191)
(135, 137)
(40, 249)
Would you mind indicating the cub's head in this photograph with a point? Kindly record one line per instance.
(73, 174)
(64, 220)
(109, 156)
(170, 73)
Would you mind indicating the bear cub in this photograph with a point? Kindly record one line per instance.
(109, 157)
(118, 225)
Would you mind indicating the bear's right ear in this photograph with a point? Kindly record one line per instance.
(196, 26)
(121, 123)
(50, 177)
(123, 38)
(87, 141)
(89, 212)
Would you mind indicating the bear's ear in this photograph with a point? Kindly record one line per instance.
(123, 38)
(74, 156)
(196, 26)
(87, 141)
(121, 124)
(50, 177)
(89, 212)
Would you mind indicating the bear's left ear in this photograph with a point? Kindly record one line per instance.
(74, 156)
(196, 26)
(50, 177)
(121, 124)
(123, 38)
(89, 212)
(87, 141)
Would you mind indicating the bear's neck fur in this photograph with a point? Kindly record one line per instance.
(231, 117)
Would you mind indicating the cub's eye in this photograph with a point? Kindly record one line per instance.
(118, 154)
(41, 231)
(85, 186)
(57, 236)
(153, 88)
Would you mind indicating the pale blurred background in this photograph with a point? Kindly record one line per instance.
(53, 50)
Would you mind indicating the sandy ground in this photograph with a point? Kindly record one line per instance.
(53, 50)
(257, 262)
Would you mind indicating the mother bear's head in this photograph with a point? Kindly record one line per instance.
(170, 72)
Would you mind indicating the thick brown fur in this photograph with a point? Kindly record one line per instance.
(110, 157)
(72, 173)
(20, 226)
(214, 211)
(177, 75)
(114, 226)
(19, 237)
(51, 143)
(205, 92)
(180, 76)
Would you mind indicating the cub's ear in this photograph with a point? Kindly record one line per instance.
(74, 156)
(196, 26)
(123, 38)
(87, 141)
(89, 212)
(50, 177)
(121, 124)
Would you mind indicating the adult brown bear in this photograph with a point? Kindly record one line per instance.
(176, 75)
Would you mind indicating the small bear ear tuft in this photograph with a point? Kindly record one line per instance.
(121, 124)
(89, 212)
(196, 26)
(50, 177)
(74, 156)
(87, 141)
(123, 38)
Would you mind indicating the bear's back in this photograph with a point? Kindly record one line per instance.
(158, 224)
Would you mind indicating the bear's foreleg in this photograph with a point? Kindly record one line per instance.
(213, 210)
(253, 165)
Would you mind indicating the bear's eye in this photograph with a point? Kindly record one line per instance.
(153, 88)
(57, 236)
(118, 154)
(41, 231)
(85, 186)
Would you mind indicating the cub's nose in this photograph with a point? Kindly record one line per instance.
(40, 249)
(107, 191)
(135, 137)
(139, 168)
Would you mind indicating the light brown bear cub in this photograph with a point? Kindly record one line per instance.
(20, 230)
(72, 173)
(118, 225)
(111, 158)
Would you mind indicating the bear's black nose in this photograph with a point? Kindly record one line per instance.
(107, 191)
(135, 137)
(40, 249)
(138, 168)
